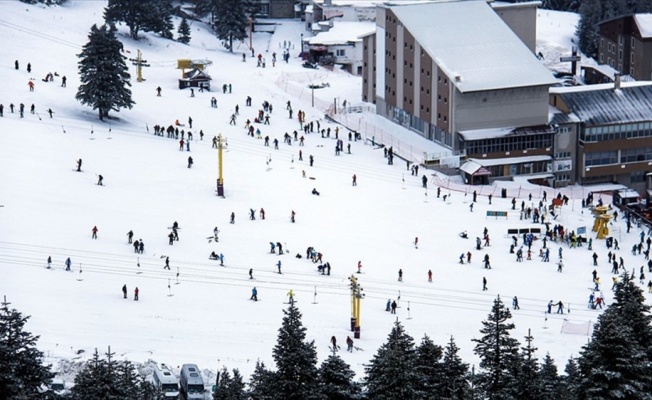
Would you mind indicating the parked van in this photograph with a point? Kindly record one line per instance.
(166, 382)
(191, 382)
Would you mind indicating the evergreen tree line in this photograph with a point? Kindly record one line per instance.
(615, 364)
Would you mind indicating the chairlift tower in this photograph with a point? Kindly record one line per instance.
(139, 63)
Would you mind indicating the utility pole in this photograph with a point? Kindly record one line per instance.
(139, 63)
(221, 144)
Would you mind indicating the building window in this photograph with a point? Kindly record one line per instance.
(620, 55)
(427, 91)
(602, 43)
(621, 40)
(340, 52)
(633, 42)
(637, 176)
(601, 58)
(445, 81)
(438, 115)
(445, 118)
(439, 78)
(631, 71)
(427, 109)
(445, 99)
(632, 58)
(438, 97)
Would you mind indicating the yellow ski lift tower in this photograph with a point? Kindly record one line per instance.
(601, 224)
(356, 296)
(221, 144)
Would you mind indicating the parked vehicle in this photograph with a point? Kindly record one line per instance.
(166, 382)
(191, 382)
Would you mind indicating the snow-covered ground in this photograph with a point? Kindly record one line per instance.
(200, 312)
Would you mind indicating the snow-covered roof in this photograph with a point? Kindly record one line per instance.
(600, 86)
(491, 133)
(605, 105)
(644, 24)
(488, 162)
(503, 4)
(473, 46)
(343, 32)
(471, 167)
(604, 69)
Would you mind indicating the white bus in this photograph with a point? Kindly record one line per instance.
(167, 383)
(191, 382)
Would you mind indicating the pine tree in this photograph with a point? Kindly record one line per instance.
(528, 384)
(550, 388)
(103, 73)
(428, 367)
(237, 387)
(389, 375)
(146, 15)
(570, 383)
(22, 373)
(184, 31)
(630, 309)
(230, 21)
(498, 354)
(454, 385)
(261, 383)
(296, 360)
(587, 31)
(222, 385)
(336, 380)
(612, 364)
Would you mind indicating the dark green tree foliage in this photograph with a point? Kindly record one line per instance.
(550, 384)
(203, 7)
(231, 21)
(336, 380)
(428, 367)
(296, 360)
(142, 15)
(390, 373)
(571, 381)
(22, 373)
(454, 384)
(616, 362)
(103, 73)
(498, 353)
(184, 31)
(229, 388)
(561, 5)
(261, 383)
(528, 384)
(612, 365)
(106, 379)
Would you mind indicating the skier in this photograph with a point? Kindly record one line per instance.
(190, 162)
(261, 213)
(394, 305)
(355, 181)
(550, 304)
(291, 297)
(158, 91)
(100, 178)
(278, 265)
(252, 214)
(334, 343)
(167, 263)
(124, 291)
(94, 231)
(515, 303)
(560, 307)
(359, 267)
(251, 273)
(136, 294)
(349, 344)
(292, 216)
(171, 239)
(63, 81)
(232, 218)
(416, 242)
(388, 306)
(221, 257)
(215, 232)
(130, 235)
(254, 294)
(141, 246)
(429, 275)
(484, 283)
(400, 275)
(79, 164)
(49, 262)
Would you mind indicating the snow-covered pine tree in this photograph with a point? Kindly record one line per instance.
(131, 384)
(587, 31)
(261, 383)
(336, 380)
(455, 384)
(613, 365)
(550, 387)
(528, 384)
(630, 309)
(571, 381)
(296, 360)
(231, 21)
(22, 373)
(498, 353)
(143, 15)
(222, 385)
(237, 387)
(390, 373)
(428, 367)
(184, 32)
(103, 73)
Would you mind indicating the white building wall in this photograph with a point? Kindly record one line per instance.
(380, 62)
(400, 71)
